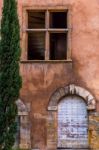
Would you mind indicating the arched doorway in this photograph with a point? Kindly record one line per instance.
(56, 98)
(72, 123)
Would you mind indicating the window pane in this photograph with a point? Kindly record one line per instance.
(36, 46)
(58, 46)
(58, 20)
(36, 20)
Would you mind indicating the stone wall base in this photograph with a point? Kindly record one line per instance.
(94, 131)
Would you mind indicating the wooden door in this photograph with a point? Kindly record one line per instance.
(72, 123)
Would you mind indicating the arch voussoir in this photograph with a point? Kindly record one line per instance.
(71, 90)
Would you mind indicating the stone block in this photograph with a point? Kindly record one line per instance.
(62, 92)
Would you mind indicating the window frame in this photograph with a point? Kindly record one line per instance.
(47, 29)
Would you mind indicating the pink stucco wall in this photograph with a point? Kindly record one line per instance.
(40, 80)
(84, 36)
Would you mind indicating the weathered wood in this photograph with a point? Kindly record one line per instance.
(72, 123)
(35, 30)
(47, 30)
(58, 30)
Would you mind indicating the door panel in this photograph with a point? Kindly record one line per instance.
(72, 123)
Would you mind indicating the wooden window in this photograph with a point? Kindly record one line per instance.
(36, 20)
(36, 45)
(58, 46)
(47, 35)
(58, 20)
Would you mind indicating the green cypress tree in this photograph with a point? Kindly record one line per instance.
(10, 80)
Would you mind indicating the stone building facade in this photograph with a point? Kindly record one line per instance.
(59, 100)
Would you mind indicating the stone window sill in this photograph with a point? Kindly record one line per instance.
(46, 61)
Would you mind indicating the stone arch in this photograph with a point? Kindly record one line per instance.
(22, 108)
(52, 125)
(23, 115)
(71, 90)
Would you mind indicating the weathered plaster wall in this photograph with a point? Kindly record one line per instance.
(38, 86)
(41, 80)
(85, 54)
